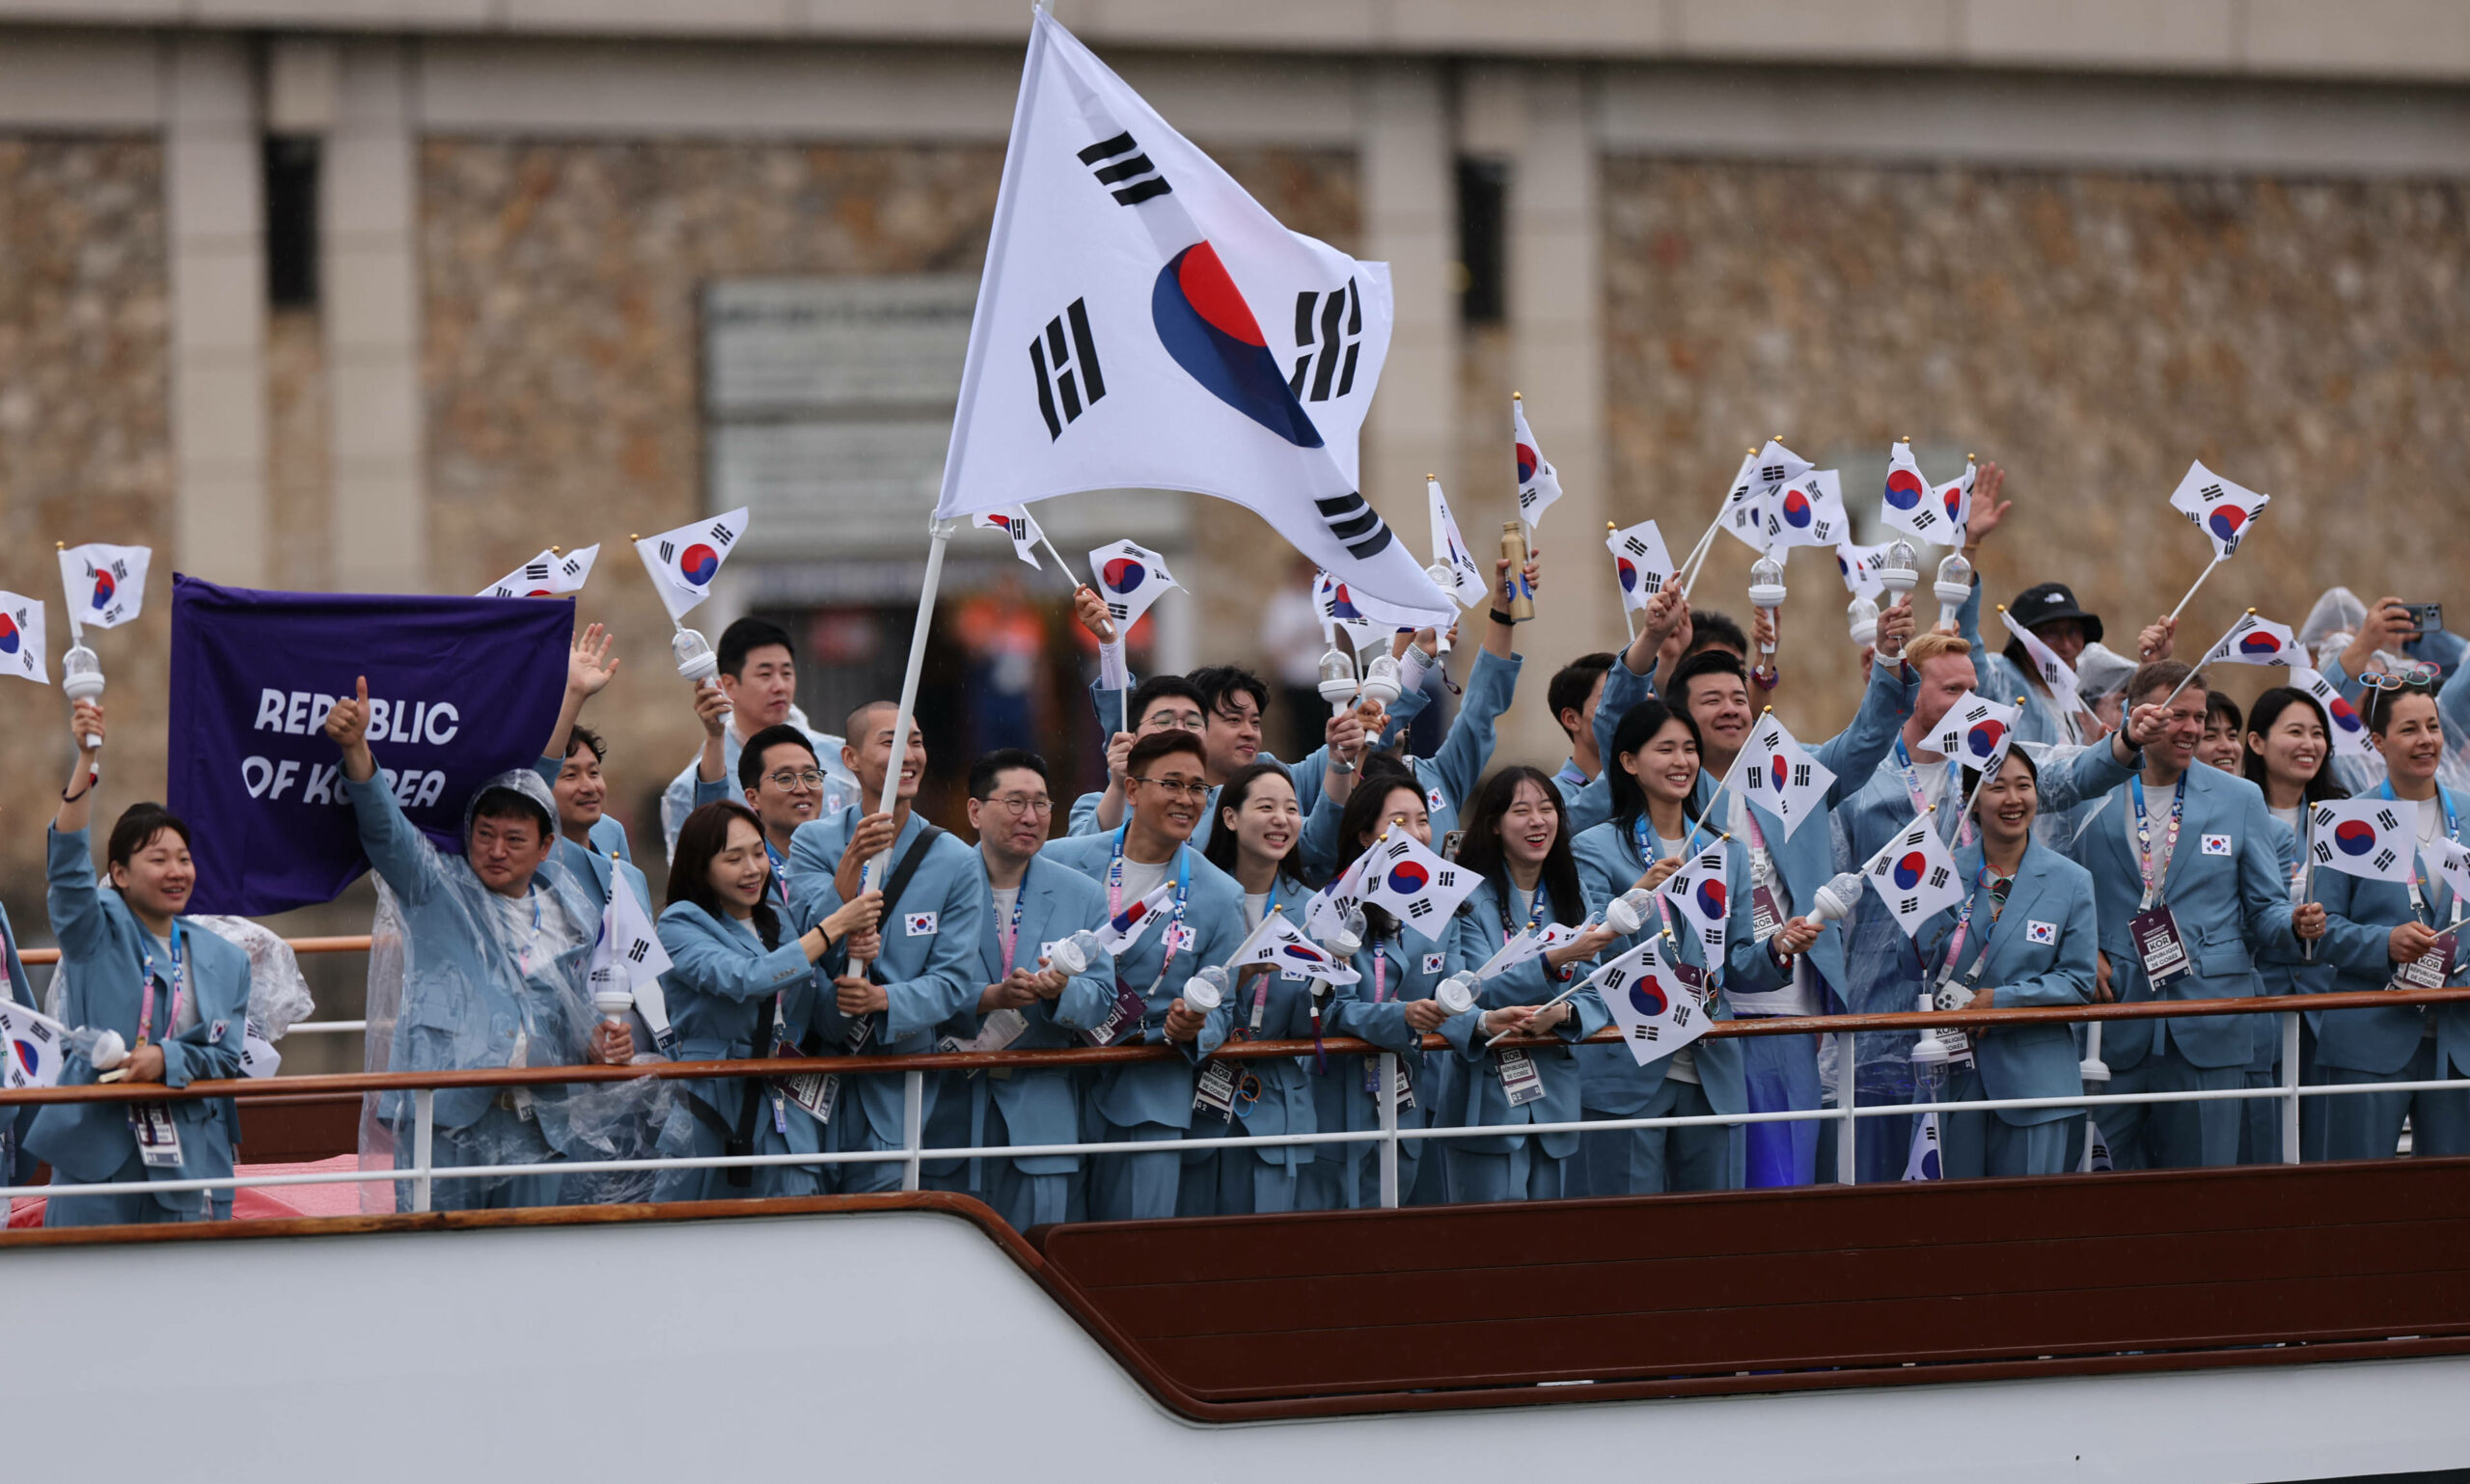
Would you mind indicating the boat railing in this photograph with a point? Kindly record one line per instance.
(414, 1167)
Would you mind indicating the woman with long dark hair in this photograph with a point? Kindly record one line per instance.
(1518, 844)
(2288, 752)
(1653, 768)
(735, 992)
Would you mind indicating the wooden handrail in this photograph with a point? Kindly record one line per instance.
(249, 1089)
(347, 943)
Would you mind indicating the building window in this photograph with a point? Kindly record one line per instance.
(1483, 241)
(292, 221)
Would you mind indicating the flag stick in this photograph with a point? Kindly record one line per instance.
(2307, 882)
(1577, 984)
(1048, 542)
(941, 534)
(2199, 582)
(2209, 653)
(1629, 620)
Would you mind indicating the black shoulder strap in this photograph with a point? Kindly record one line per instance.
(906, 867)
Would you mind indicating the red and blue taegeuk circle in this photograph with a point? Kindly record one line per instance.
(1342, 605)
(2258, 642)
(1984, 736)
(1711, 899)
(1647, 996)
(1907, 871)
(1408, 877)
(1778, 772)
(104, 588)
(697, 563)
(1629, 575)
(2355, 837)
(1798, 512)
(1904, 488)
(2226, 521)
(1528, 462)
(1123, 574)
(2344, 714)
(1205, 326)
(9, 637)
(29, 1055)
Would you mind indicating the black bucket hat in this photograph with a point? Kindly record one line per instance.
(2049, 602)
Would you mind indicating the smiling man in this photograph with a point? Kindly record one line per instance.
(759, 682)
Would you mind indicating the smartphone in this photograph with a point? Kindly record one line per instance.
(1451, 843)
(2426, 618)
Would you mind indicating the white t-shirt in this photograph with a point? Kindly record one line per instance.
(537, 942)
(1140, 880)
(186, 1017)
(2292, 816)
(1256, 906)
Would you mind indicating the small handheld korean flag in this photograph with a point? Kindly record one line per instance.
(546, 575)
(1921, 1160)
(2448, 860)
(2348, 728)
(1538, 485)
(2221, 509)
(2055, 672)
(1912, 502)
(1466, 584)
(1118, 933)
(1281, 945)
(21, 639)
(1016, 522)
(1975, 732)
(1860, 566)
(1779, 776)
(1915, 876)
(2370, 838)
(1130, 578)
(1530, 943)
(628, 955)
(1955, 502)
(1337, 605)
(1808, 512)
(32, 1047)
(684, 562)
(1642, 563)
(1704, 899)
(2254, 641)
(1657, 1014)
(1327, 909)
(1761, 478)
(1414, 885)
(105, 584)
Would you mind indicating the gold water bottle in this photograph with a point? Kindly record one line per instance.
(1522, 603)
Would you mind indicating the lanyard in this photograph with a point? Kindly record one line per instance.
(1911, 777)
(1012, 933)
(2451, 832)
(780, 872)
(1183, 896)
(1534, 918)
(1638, 829)
(1964, 925)
(1261, 980)
(1381, 973)
(2155, 872)
(180, 989)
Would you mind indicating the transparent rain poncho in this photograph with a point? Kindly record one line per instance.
(450, 989)
(277, 993)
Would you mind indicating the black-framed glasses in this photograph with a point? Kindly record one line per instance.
(1175, 785)
(1024, 804)
(787, 779)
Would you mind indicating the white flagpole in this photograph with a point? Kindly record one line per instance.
(2209, 653)
(1629, 620)
(2199, 577)
(1048, 542)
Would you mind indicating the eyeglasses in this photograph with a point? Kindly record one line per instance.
(2419, 676)
(1181, 721)
(1176, 786)
(785, 780)
(1024, 804)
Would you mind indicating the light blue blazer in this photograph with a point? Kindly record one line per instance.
(1040, 1105)
(1403, 966)
(1477, 934)
(930, 944)
(1611, 1080)
(2224, 890)
(104, 948)
(720, 987)
(1285, 1093)
(1161, 1091)
(2284, 969)
(2360, 916)
(2041, 954)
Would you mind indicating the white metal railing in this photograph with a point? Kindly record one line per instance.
(422, 1173)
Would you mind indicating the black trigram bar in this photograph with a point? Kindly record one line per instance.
(1130, 175)
(722, 534)
(1333, 321)
(1066, 370)
(1356, 523)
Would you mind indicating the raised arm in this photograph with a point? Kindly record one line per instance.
(399, 852)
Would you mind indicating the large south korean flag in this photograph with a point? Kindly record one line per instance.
(1142, 323)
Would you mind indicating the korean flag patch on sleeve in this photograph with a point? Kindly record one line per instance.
(2217, 844)
(2041, 932)
(1434, 963)
(920, 924)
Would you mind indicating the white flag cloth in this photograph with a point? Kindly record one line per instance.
(1407, 881)
(2448, 860)
(2348, 728)
(1530, 943)
(546, 575)
(1468, 584)
(1130, 578)
(1915, 876)
(2096, 1149)
(1955, 502)
(105, 584)
(1278, 943)
(1016, 522)
(1641, 562)
(683, 561)
(2372, 838)
(23, 639)
(1975, 731)
(1538, 485)
(1144, 324)
(2254, 641)
(2055, 672)
(1762, 476)
(628, 955)
(1778, 774)
(35, 1046)
(1913, 503)
(1339, 610)
(1657, 1014)
(1118, 933)
(1808, 512)
(2221, 509)
(1700, 890)
(1860, 566)
(1922, 1161)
